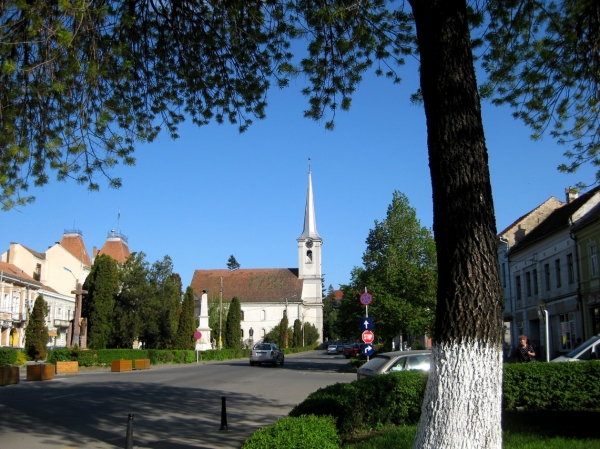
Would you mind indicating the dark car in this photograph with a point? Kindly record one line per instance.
(351, 350)
(266, 353)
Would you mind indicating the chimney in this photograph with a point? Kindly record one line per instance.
(572, 194)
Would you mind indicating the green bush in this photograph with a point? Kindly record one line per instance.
(552, 386)
(21, 358)
(8, 356)
(302, 432)
(369, 403)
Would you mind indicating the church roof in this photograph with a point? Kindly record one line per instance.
(250, 284)
(72, 241)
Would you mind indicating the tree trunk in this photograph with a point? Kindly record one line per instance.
(463, 399)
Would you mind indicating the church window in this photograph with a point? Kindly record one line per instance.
(242, 316)
(309, 258)
(263, 315)
(264, 332)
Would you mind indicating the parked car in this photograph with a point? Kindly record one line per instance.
(588, 350)
(351, 350)
(389, 362)
(340, 348)
(332, 349)
(266, 353)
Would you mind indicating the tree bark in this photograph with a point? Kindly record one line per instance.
(463, 398)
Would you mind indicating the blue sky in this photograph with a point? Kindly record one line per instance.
(214, 192)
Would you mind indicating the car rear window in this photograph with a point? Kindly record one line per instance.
(263, 347)
(376, 362)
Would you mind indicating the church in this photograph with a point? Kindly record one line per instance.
(267, 294)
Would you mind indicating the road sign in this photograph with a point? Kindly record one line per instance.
(366, 298)
(368, 337)
(197, 335)
(367, 350)
(366, 324)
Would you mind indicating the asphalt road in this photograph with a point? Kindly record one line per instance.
(174, 406)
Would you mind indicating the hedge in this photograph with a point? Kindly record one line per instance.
(369, 403)
(303, 432)
(396, 398)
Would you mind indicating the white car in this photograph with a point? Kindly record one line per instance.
(332, 349)
(588, 350)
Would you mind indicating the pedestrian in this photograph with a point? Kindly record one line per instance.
(525, 352)
(578, 344)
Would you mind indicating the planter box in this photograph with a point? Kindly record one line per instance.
(142, 363)
(67, 367)
(118, 366)
(40, 371)
(9, 375)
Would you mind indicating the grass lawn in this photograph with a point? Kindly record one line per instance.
(521, 430)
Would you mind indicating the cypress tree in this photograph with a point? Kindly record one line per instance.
(36, 334)
(102, 285)
(187, 324)
(283, 331)
(297, 333)
(233, 331)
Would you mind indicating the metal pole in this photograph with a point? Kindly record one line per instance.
(223, 414)
(547, 316)
(220, 312)
(129, 436)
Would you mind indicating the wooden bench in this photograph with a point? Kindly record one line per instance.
(9, 375)
(40, 371)
(142, 364)
(67, 367)
(118, 366)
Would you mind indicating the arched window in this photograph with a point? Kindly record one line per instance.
(242, 319)
(309, 256)
(263, 315)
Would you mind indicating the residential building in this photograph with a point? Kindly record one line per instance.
(587, 235)
(506, 239)
(542, 276)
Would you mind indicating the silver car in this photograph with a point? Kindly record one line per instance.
(389, 362)
(589, 350)
(266, 353)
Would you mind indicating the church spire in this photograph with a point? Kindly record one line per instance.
(310, 221)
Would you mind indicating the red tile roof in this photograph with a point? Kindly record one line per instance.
(73, 242)
(116, 248)
(8, 269)
(250, 284)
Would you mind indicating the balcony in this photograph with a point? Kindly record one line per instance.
(61, 323)
(18, 317)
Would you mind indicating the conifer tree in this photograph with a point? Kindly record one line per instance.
(102, 285)
(187, 324)
(297, 333)
(233, 331)
(36, 334)
(283, 331)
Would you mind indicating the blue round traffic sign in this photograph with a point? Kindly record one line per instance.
(366, 298)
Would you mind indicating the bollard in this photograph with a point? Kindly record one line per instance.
(129, 436)
(223, 414)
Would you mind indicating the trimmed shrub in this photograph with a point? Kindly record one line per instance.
(21, 358)
(302, 432)
(369, 403)
(552, 386)
(8, 356)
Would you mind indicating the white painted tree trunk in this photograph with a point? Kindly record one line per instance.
(463, 400)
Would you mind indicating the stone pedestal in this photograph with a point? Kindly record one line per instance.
(203, 344)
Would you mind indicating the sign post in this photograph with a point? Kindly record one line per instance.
(366, 326)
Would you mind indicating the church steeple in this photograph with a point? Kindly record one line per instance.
(309, 242)
(310, 221)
